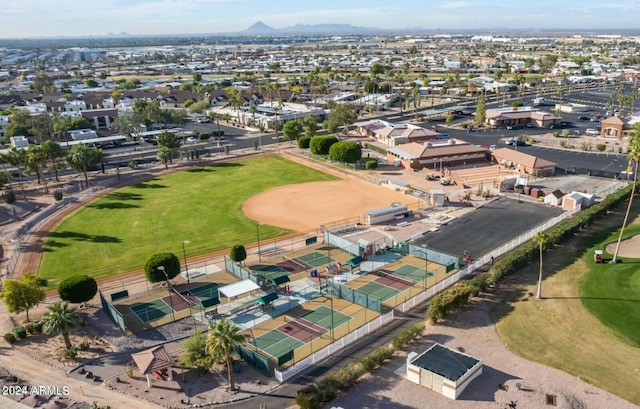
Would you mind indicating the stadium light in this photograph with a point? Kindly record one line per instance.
(258, 236)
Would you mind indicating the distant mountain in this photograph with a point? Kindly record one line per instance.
(310, 29)
(259, 28)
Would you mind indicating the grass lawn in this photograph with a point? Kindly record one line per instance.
(118, 232)
(612, 292)
(559, 330)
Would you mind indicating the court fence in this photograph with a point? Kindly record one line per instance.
(483, 260)
(357, 297)
(284, 374)
(113, 313)
(450, 261)
(237, 270)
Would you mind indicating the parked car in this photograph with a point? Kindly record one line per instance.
(595, 118)
(592, 131)
(516, 142)
(204, 120)
(584, 118)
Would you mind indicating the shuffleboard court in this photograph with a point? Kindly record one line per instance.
(276, 343)
(151, 311)
(323, 316)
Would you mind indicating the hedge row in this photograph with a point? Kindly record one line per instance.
(326, 389)
(458, 295)
(376, 148)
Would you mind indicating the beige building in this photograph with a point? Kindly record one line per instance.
(523, 163)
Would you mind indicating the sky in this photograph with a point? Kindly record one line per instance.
(46, 18)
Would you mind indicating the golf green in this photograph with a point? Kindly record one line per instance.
(118, 232)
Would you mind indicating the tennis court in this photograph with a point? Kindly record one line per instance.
(394, 281)
(301, 329)
(205, 292)
(176, 301)
(378, 290)
(411, 272)
(316, 259)
(323, 316)
(152, 310)
(276, 343)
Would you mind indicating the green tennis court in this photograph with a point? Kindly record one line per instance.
(151, 311)
(267, 268)
(316, 259)
(205, 292)
(415, 273)
(378, 290)
(276, 343)
(323, 317)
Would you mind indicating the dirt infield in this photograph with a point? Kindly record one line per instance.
(307, 205)
(628, 248)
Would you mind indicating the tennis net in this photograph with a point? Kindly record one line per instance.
(297, 322)
(302, 264)
(394, 277)
(185, 299)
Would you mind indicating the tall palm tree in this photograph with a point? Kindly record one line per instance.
(17, 158)
(222, 340)
(541, 238)
(36, 157)
(62, 319)
(634, 159)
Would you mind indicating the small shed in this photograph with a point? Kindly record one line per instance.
(553, 198)
(155, 360)
(438, 197)
(387, 213)
(443, 370)
(577, 200)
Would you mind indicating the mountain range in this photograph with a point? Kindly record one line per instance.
(260, 28)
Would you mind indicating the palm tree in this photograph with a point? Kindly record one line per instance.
(164, 156)
(541, 238)
(53, 151)
(60, 318)
(36, 157)
(80, 157)
(17, 158)
(634, 158)
(222, 340)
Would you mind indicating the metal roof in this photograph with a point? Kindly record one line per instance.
(445, 361)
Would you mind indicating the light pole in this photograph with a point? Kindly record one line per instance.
(173, 312)
(184, 255)
(426, 266)
(258, 236)
(330, 292)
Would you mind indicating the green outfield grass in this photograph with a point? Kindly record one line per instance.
(588, 322)
(118, 232)
(612, 291)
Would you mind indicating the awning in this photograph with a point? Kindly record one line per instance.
(266, 299)
(355, 262)
(240, 287)
(279, 280)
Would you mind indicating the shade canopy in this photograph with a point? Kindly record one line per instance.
(238, 288)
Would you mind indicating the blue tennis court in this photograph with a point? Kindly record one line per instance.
(151, 311)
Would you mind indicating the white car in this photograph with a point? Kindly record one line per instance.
(592, 131)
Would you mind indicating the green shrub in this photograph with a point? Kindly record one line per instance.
(20, 332)
(37, 327)
(78, 288)
(9, 196)
(303, 142)
(601, 147)
(57, 194)
(30, 328)
(71, 353)
(307, 401)
(371, 164)
(10, 338)
(203, 136)
(464, 125)
(217, 133)
(84, 345)
(42, 282)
